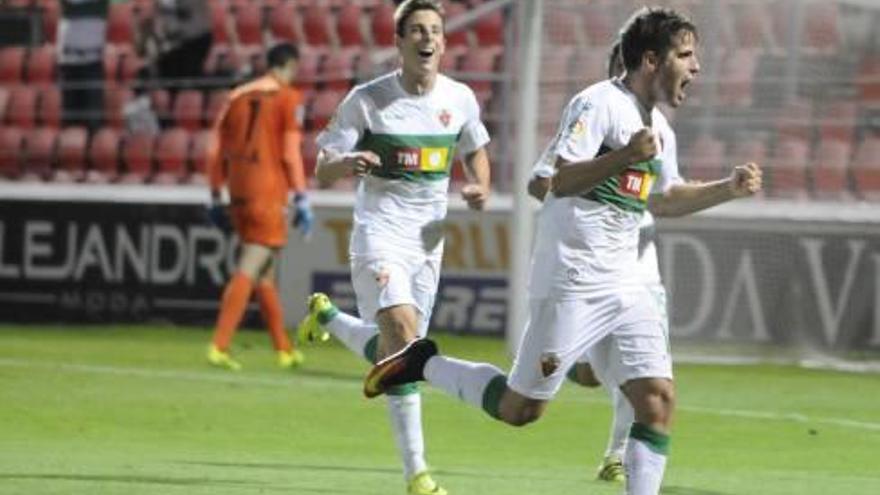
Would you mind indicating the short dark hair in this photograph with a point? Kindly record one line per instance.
(651, 29)
(614, 59)
(280, 54)
(407, 8)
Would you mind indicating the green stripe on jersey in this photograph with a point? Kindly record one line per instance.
(630, 189)
(411, 157)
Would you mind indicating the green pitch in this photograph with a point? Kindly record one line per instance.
(121, 410)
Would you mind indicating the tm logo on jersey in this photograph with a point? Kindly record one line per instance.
(636, 183)
(422, 159)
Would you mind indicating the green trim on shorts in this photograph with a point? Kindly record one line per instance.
(656, 441)
(405, 389)
(492, 395)
(371, 349)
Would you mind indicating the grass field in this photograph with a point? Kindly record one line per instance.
(134, 410)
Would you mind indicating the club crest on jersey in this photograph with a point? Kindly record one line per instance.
(444, 117)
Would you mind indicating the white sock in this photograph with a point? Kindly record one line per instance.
(405, 413)
(644, 466)
(463, 379)
(352, 331)
(620, 424)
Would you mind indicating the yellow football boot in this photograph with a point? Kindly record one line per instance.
(423, 484)
(222, 359)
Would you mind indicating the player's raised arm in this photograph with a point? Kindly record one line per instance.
(685, 198)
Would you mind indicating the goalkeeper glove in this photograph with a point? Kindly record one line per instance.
(218, 216)
(303, 218)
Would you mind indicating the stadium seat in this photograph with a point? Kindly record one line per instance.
(220, 61)
(821, 32)
(38, 153)
(115, 99)
(10, 152)
(704, 159)
(586, 67)
(216, 101)
(451, 59)
(316, 22)
(50, 107)
(866, 169)
(736, 78)
(489, 29)
(307, 69)
(283, 22)
(480, 63)
(137, 156)
(198, 155)
(838, 120)
(787, 174)
(322, 109)
(598, 24)
(71, 155)
(40, 65)
(382, 24)
(794, 120)
(104, 156)
(120, 20)
(172, 153)
(867, 79)
(563, 27)
(338, 69)
(348, 25)
(51, 13)
(187, 109)
(248, 22)
(22, 108)
(830, 172)
(458, 37)
(12, 64)
(160, 102)
(219, 14)
(751, 23)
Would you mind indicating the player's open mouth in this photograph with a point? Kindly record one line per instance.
(426, 53)
(683, 85)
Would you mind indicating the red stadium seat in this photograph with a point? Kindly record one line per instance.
(382, 24)
(567, 28)
(137, 155)
(71, 155)
(219, 14)
(867, 79)
(282, 22)
(338, 69)
(838, 120)
(51, 12)
(794, 120)
(198, 156)
(10, 152)
(172, 153)
(307, 68)
(830, 173)
(160, 102)
(39, 153)
(322, 109)
(216, 101)
(704, 159)
(104, 156)
(40, 65)
(316, 23)
(459, 37)
(22, 108)
(187, 109)
(821, 28)
(866, 169)
(598, 24)
(248, 23)
(752, 25)
(490, 29)
(348, 25)
(736, 78)
(11, 64)
(114, 103)
(788, 171)
(50, 107)
(220, 61)
(451, 58)
(120, 23)
(480, 62)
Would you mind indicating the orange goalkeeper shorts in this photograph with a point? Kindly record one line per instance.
(260, 222)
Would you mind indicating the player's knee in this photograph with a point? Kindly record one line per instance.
(661, 400)
(523, 415)
(582, 374)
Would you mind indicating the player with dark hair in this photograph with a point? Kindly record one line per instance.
(613, 154)
(256, 155)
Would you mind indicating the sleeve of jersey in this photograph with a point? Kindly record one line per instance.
(583, 133)
(345, 128)
(214, 168)
(669, 174)
(292, 144)
(545, 164)
(474, 134)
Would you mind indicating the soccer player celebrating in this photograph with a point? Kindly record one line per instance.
(399, 134)
(256, 155)
(614, 152)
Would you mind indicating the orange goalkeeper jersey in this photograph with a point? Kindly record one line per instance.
(255, 149)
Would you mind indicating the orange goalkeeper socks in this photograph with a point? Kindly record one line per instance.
(270, 307)
(232, 306)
